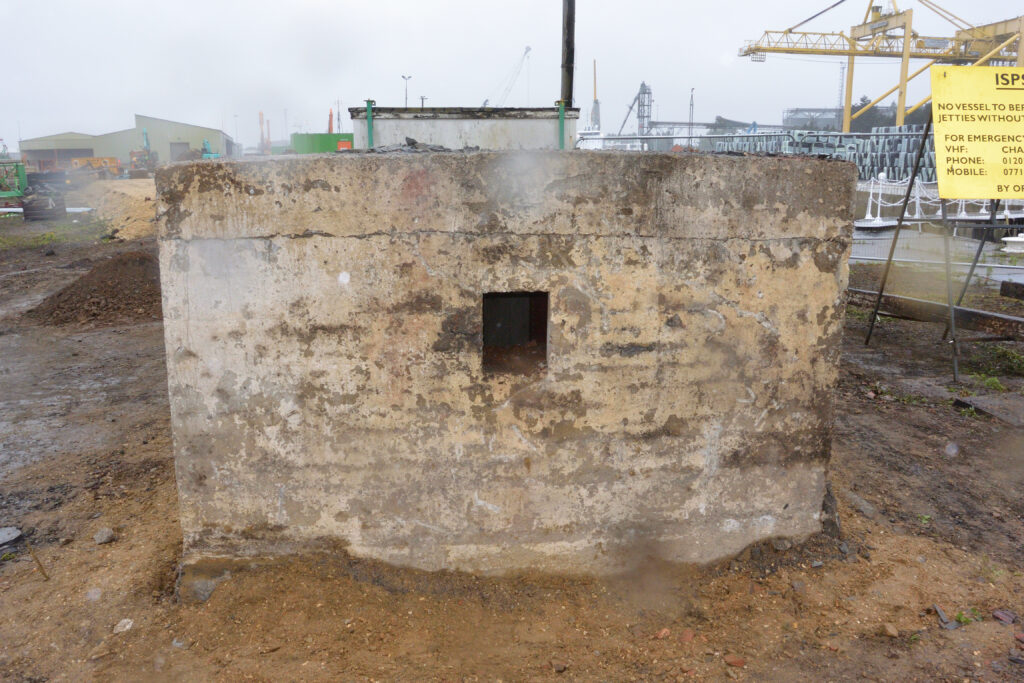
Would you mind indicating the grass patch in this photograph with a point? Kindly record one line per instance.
(864, 315)
(991, 570)
(995, 360)
(969, 616)
(35, 235)
(970, 412)
(29, 241)
(855, 313)
(990, 382)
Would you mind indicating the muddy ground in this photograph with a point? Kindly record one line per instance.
(929, 283)
(928, 495)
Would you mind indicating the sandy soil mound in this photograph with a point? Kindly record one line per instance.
(127, 204)
(123, 288)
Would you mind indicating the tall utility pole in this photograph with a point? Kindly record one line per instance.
(568, 48)
(527, 80)
(423, 99)
(689, 140)
(407, 79)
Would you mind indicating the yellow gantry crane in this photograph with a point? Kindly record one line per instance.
(889, 33)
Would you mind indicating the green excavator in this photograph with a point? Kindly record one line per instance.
(143, 161)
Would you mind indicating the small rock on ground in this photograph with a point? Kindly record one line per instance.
(860, 505)
(182, 643)
(8, 534)
(104, 535)
(1004, 616)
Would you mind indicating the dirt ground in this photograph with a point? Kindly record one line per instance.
(929, 283)
(928, 497)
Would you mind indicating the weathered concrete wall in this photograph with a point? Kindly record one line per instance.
(323, 332)
(459, 127)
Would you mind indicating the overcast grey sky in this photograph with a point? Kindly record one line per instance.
(89, 65)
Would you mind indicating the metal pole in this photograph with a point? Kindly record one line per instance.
(899, 225)
(689, 139)
(423, 100)
(561, 125)
(901, 98)
(369, 123)
(993, 209)
(406, 79)
(568, 48)
(949, 290)
(527, 80)
(848, 96)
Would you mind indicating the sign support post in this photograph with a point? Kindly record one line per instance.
(899, 226)
(978, 117)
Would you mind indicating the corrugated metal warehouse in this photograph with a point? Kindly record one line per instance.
(169, 139)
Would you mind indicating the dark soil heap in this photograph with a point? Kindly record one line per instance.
(121, 289)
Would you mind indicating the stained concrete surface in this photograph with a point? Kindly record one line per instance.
(323, 332)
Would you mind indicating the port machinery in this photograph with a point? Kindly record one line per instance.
(889, 33)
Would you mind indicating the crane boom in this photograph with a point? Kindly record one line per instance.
(628, 112)
(891, 35)
(510, 80)
(946, 14)
(948, 50)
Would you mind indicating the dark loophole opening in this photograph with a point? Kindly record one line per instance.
(515, 332)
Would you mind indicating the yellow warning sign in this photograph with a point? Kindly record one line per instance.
(979, 131)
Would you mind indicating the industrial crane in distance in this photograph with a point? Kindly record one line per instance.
(510, 80)
(890, 34)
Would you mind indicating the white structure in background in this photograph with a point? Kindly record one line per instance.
(1013, 245)
(458, 127)
(886, 196)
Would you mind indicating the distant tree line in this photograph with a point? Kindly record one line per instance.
(884, 116)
